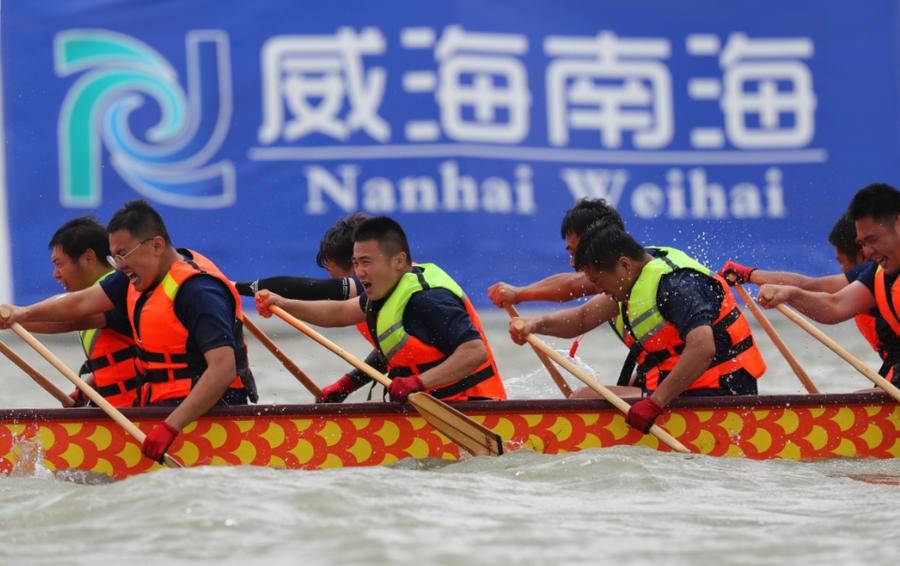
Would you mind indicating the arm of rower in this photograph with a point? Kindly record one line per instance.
(559, 288)
(556, 288)
(699, 351)
(569, 323)
(462, 362)
(69, 307)
(826, 284)
(328, 314)
(93, 321)
(827, 308)
(220, 372)
(566, 323)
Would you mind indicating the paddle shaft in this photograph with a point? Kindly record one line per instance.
(776, 339)
(88, 391)
(285, 361)
(347, 356)
(554, 373)
(862, 368)
(614, 399)
(36, 376)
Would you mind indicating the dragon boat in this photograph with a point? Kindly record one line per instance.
(311, 437)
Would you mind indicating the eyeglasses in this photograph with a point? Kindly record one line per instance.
(119, 259)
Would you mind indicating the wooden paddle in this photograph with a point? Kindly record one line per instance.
(473, 437)
(776, 339)
(36, 376)
(862, 368)
(285, 361)
(88, 391)
(554, 373)
(614, 399)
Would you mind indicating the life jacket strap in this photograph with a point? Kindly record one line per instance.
(101, 362)
(117, 388)
(465, 383)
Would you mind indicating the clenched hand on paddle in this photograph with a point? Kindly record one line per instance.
(462, 430)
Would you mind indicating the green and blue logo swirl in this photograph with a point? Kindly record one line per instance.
(171, 161)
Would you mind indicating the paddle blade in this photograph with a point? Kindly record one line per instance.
(476, 439)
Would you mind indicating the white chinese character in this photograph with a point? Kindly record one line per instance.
(768, 99)
(313, 76)
(483, 89)
(610, 85)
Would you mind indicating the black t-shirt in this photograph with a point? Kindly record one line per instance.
(437, 317)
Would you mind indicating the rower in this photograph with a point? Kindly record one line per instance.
(78, 251)
(586, 215)
(849, 254)
(685, 332)
(336, 257)
(875, 211)
(184, 316)
(416, 316)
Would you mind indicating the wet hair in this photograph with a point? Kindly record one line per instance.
(602, 247)
(843, 237)
(587, 214)
(140, 220)
(878, 201)
(337, 243)
(79, 235)
(387, 232)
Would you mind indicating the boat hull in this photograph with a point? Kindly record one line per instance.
(860, 425)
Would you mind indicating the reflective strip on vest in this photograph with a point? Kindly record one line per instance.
(389, 328)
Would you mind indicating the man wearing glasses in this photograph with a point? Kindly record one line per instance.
(185, 318)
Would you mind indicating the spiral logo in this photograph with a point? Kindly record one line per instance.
(171, 160)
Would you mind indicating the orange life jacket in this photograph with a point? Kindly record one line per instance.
(407, 355)
(878, 333)
(886, 301)
(111, 359)
(655, 344)
(167, 370)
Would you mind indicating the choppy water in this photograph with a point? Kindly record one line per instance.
(619, 505)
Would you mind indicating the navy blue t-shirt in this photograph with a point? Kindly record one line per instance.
(437, 317)
(865, 274)
(203, 305)
(118, 320)
(688, 299)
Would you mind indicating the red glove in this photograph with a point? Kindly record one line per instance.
(736, 274)
(79, 398)
(642, 414)
(338, 391)
(158, 441)
(401, 387)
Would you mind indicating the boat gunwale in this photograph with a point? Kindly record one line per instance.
(514, 406)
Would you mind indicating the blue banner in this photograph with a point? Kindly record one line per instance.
(732, 130)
